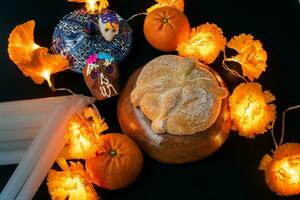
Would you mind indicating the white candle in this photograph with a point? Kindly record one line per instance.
(22, 146)
(21, 119)
(15, 145)
(11, 157)
(27, 106)
(12, 133)
(43, 151)
(50, 153)
(24, 168)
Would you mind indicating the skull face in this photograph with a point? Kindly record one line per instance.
(102, 79)
(108, 25)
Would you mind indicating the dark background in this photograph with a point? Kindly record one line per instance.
(231, 172)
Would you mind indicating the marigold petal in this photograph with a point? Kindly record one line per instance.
(21, 42)
(32, 67)
(264, 163)
(205, 42)
(282, 172)
(31, 59)
(251, 55)
(250, 110)
(83, 137)
(241, 42)
(72, 183)
(40, 61)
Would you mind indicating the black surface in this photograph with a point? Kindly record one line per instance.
(231, 172)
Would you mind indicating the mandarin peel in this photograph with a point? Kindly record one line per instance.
(178, 4)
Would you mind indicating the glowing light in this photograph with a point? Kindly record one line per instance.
(82, 142)
(250, 110)
(72, 183)
(218, 140)
(83, 137)
(46, 76)
(34, 61)
(35, 46)
(282, 171)
(251, 55)
(205, 43)
(289, 172)
(93, 6)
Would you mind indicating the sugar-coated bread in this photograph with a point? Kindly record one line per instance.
(177, 95)
(165, 147)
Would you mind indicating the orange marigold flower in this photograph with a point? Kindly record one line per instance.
(21, 43)
(282, 171)
(250, 110)
(251, 55)
(41, 62)
(34, 61)
(179, 4)
(72, 183)
(83, 137)
(205, 42)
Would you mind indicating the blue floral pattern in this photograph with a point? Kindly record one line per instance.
(77, 36)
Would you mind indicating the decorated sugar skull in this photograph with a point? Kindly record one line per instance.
(108, 25)
(101, 76)
(80, 33)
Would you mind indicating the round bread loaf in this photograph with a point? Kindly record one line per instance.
(178, 95)
(175, 109)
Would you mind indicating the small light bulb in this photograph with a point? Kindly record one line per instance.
(92, 5)
(35, 46)
(46, 76)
